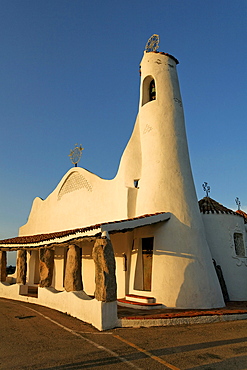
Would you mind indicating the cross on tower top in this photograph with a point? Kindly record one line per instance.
(206, 188)
(238, 203)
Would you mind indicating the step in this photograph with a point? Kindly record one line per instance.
(138, 305)
(139, 298)
(32, 291)
(32, 288)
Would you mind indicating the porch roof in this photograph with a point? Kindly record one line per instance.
(92, 231)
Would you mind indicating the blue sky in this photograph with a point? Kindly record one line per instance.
(69, 74)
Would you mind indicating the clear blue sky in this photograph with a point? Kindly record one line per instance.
(69, 74)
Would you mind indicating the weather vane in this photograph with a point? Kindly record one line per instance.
(152, 44)
(75, 154)
(206, 188)
(238, 203)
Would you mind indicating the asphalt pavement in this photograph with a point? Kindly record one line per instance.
(36, 337)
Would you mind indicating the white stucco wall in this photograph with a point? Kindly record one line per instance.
(220, 229)
(32, 267)
(122, 244)
(59, 268)
(156, 155)
(176, 275)
(88, 268)
(102, 315)
(80, 199)
(184, 268)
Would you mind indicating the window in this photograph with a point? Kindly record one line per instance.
(136, 184)
(148, 90)
(239, 244)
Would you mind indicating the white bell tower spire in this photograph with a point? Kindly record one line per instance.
(166, 185)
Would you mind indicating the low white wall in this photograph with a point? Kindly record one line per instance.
(102, 315)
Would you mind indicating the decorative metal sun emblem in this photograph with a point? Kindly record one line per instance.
(152, 44)
(75, 154)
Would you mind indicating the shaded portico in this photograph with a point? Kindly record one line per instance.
(53, 262)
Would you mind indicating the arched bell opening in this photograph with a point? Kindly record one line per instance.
(148, 90)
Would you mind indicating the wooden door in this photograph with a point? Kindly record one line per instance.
(147, 261)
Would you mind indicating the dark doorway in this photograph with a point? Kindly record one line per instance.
(147, 260)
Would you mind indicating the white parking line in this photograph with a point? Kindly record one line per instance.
(112, 353)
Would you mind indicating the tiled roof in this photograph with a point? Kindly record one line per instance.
(209, 205)
(30, 239)
(45, 237)
(243, 214)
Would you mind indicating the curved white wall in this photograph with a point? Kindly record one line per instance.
(220, 229)
(80, 199)
(184, 275)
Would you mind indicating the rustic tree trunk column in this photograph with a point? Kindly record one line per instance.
(3, 264)
(21, 267)
(105, 277)
(73, 278)
(46, 265)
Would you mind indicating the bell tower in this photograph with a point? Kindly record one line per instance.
(166, 181)
(166, 185)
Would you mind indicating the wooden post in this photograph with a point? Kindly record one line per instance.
(73, 277)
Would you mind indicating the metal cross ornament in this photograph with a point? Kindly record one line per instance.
(206, 188)
(75, 154)
(238, 203)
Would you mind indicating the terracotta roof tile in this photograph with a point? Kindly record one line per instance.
(243, 214)
(209, 205)
(60, 234)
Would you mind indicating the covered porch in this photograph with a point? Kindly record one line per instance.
(75, 271)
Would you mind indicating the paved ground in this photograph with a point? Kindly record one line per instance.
(35, 337)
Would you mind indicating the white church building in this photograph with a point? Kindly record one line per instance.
(139, 235)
